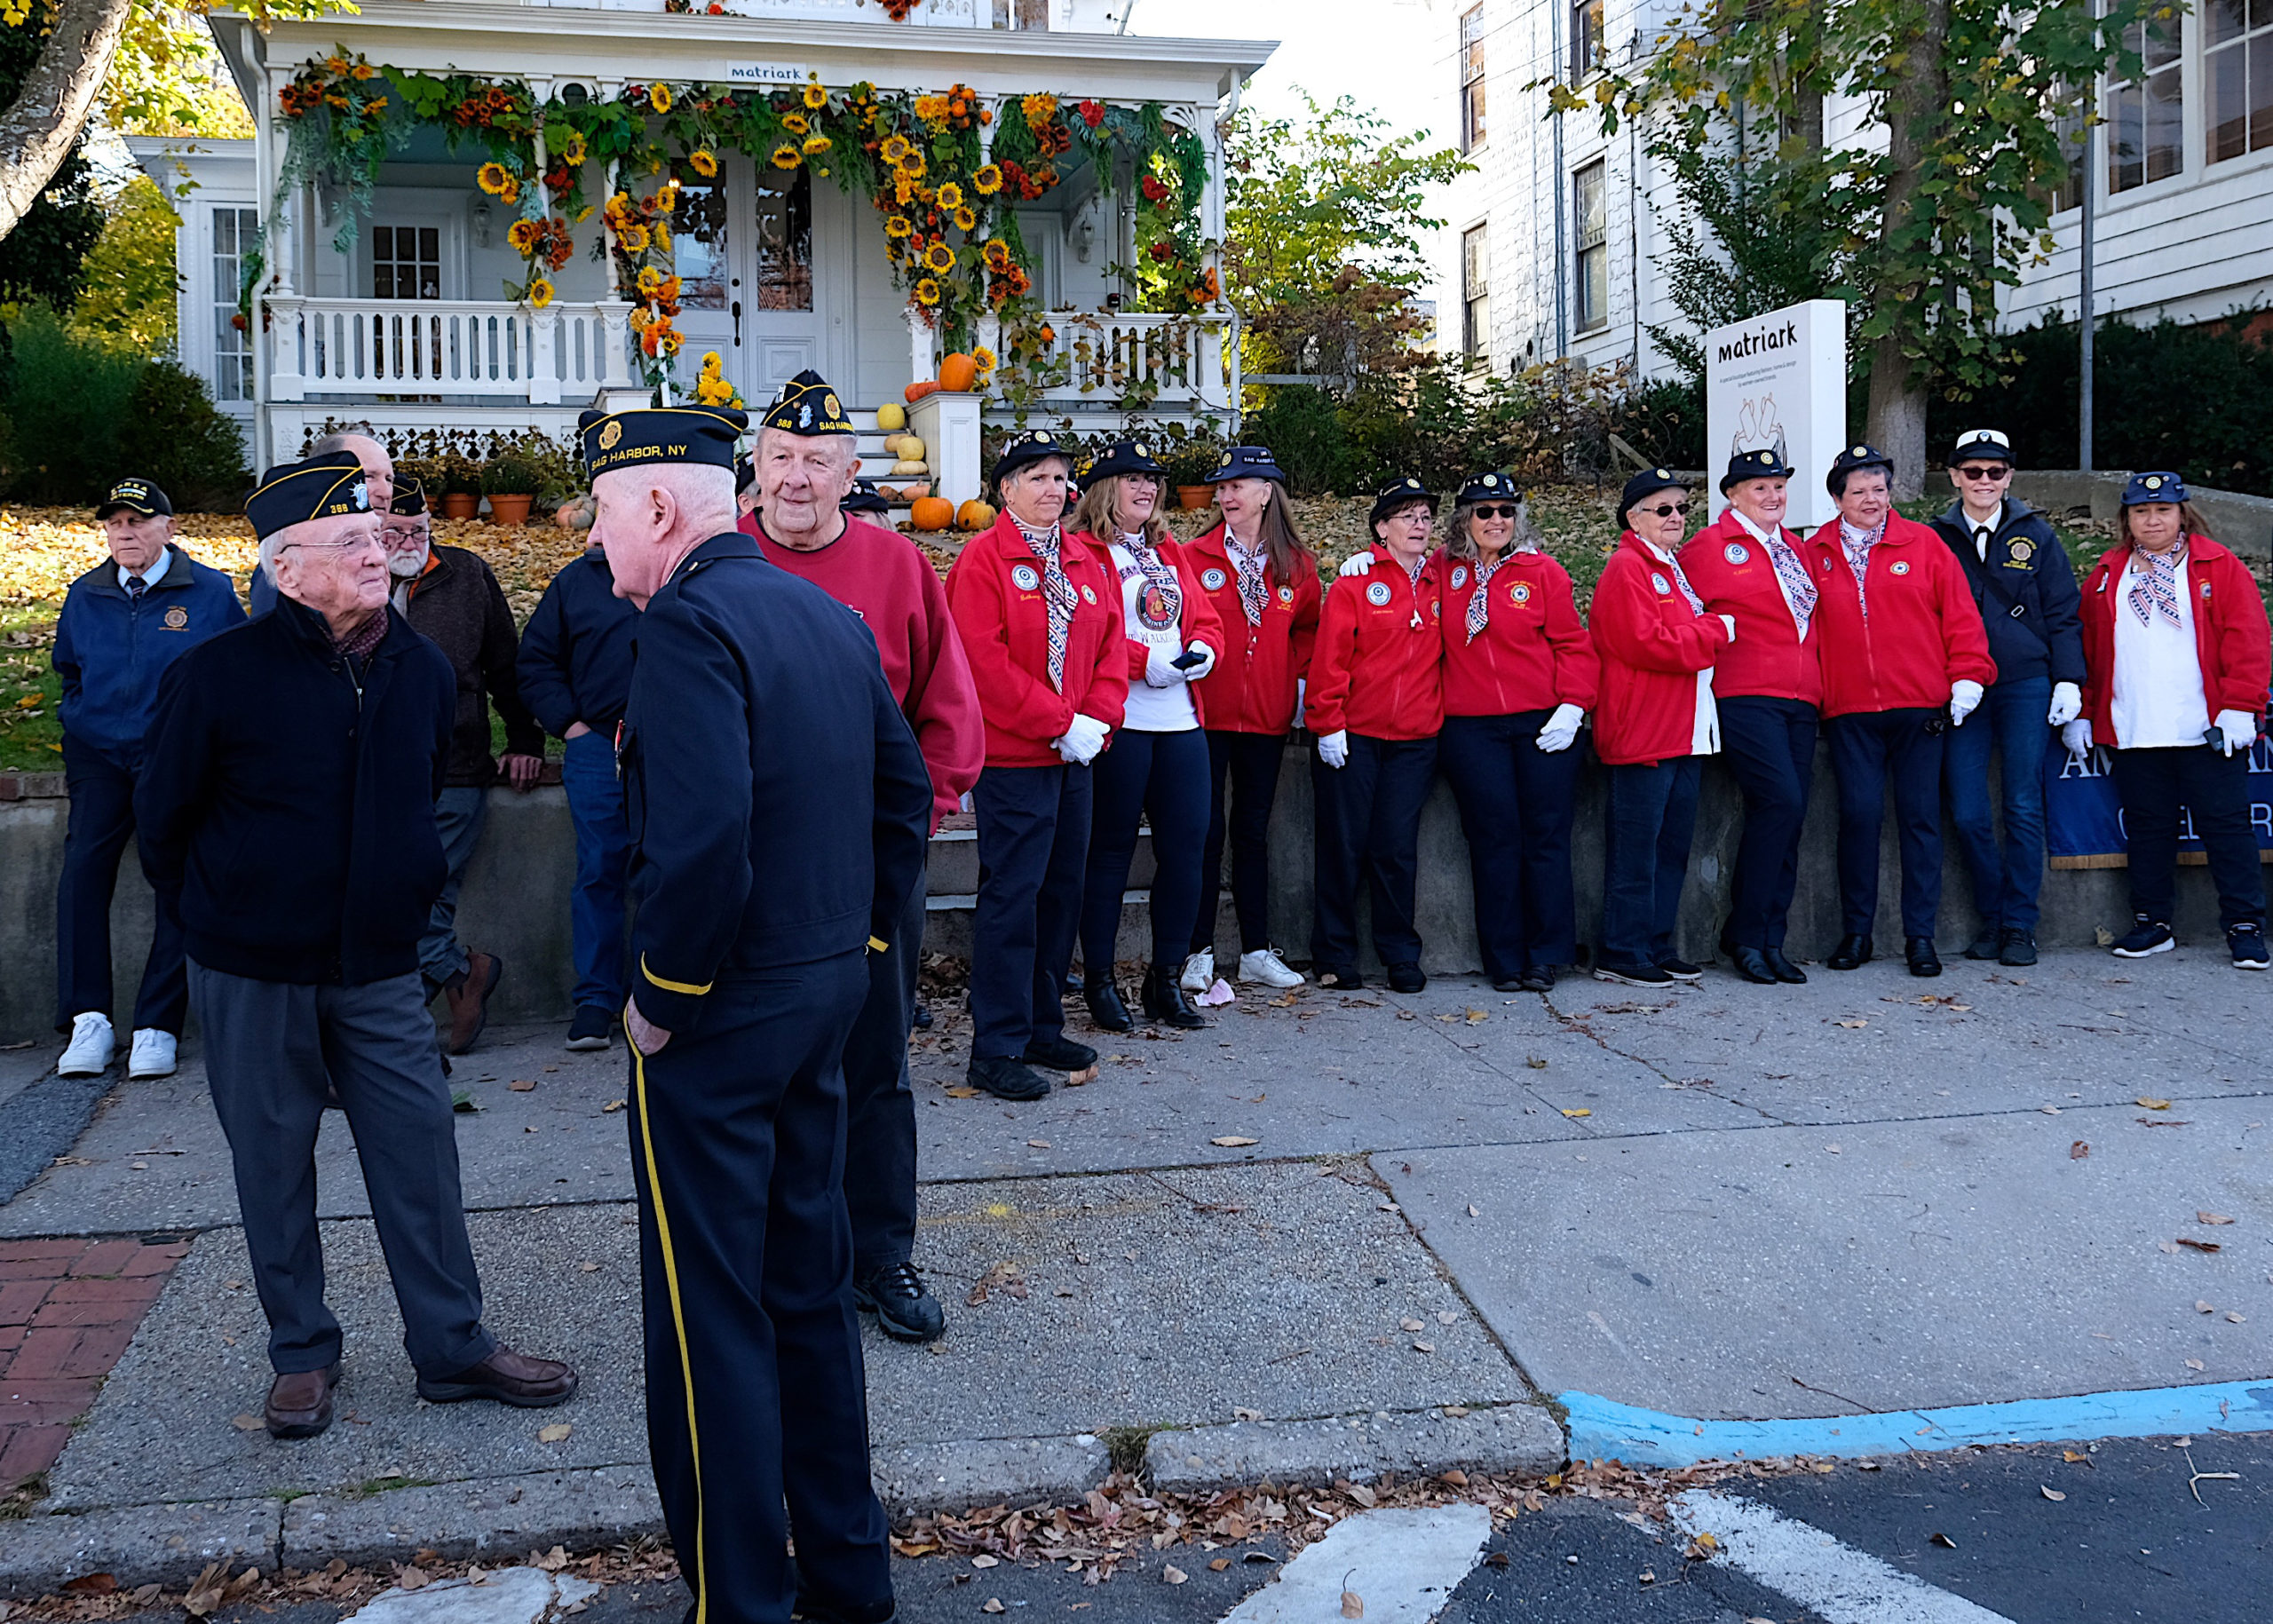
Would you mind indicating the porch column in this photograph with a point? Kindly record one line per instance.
(921, 360)
(544, 378)
(276, 319)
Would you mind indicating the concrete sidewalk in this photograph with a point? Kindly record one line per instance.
(1721, 1202)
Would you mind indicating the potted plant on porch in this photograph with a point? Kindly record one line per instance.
(1190, 462)
(512, 482)
(461, 485)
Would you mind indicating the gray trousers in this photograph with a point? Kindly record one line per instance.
(273, 1052)
(459, 813)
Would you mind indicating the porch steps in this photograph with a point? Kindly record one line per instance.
(875, 462)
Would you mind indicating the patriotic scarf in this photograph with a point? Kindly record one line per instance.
(2154, 590)
(1056, 592)
(1857, 545)
(1249, 564)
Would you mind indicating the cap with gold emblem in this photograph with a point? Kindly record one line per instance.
(1854, 459)
(705, 435)
(1123, 457)
(1489, 487)
(1765, 463)
(326, 486)
(1031, 446)
(409, 499)
(1646, 484)
(807, 405)
(1397, 493)
(2159, 487)
(1988, 444)
(134, 496)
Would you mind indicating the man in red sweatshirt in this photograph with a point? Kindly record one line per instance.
(805, 461)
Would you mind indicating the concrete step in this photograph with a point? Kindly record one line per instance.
(952, 868)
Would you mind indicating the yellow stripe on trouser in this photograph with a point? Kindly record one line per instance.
(678, 1325)
(687, 987)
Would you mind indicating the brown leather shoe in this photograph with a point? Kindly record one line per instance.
(469, 1000)
(508, 1377)
(299, 1402)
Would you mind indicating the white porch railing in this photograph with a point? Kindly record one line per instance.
(435, 347)
(1181, 362)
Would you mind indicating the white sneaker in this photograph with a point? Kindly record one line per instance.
(1267, 967)
(1199, 972)
(154, 1054)
(88, 1054)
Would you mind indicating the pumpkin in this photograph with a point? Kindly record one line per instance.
(975, 515)
(891, 444)
(915, 391)
(932, 513)
(906, 470)
(910, 493)
(889, 493)
(911, 448)
(957, 373)
(892, 416)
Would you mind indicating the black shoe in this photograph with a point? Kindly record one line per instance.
(1923, 960)
(1537, 979)
(905, 1309)
(2147, 936)
(2016, 948)
(591, 1028)
(1852, 952)
(1072, 982)
(1632, 975)
(813, 1609)
(1985, 945)
(1060, 1054)
(1166, 1002)
(923, 1018)
(1341, 980)
(1785, 972)
(1752, 964)
(1681, 969)
(1407, 979)
(2247, 944)
(1007, 1079)
(1105, 1008)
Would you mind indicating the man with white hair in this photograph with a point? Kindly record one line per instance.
(287, 804)
(806, 461)
(360, 441)
(779, 805)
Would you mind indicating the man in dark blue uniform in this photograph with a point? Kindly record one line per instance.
(2026, 591)
(779, 806)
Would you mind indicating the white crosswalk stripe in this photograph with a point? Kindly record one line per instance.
(1403, 1563)
(1845, 1585)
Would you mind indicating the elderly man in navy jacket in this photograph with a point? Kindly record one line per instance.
(287, 800)
(779, 810)
(123, 622)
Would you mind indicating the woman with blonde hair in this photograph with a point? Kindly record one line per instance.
(1156, 767)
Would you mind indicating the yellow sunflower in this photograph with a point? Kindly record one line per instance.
(895, 149)
(988, 180)
(816, 98)
(927, 292)
(659, 96)
(667, 196)
(650, 279)
(632, 239)
(950, 194)
(898, 225)
(712, 361)
(639, 318)
(662, 236)
(903, 190)
(571, 149)
(702, 162)
(984, 357)
(523, 235)
(815, 143)
(796, 123)
(939, 258)
(786, 156)
(540, 293)
(511, 193)
(493, 179)
(912, 165)
(966, 220)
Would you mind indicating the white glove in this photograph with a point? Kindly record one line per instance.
(2077, 735)
(1730, 620)
(1357, 564)
(1084, 738)
(2067, 704)
(1561, 728)
(1302, 697)
(1334, 748)
(1158, 672)
(2239, 727)
(1965, 698)
(1193, 673)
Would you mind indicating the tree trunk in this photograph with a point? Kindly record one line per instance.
(1897, 406)
(38, 132)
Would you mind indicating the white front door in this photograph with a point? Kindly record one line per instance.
(743, 248)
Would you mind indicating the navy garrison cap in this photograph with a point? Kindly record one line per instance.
(1489, 487)
(134, 496)
(807, 405)
(865, 498)
(745, 473)
(1765, 463)
(324, 486)
(1031, 446)
(1646, 484)
(1123, 457)
(1854, 459)
(2159, 487)
(1397, 493)
(705, 435)
(1247, 462)
(410, 498)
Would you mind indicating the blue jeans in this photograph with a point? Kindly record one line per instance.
(2009, 724)
(603, 851)
(459, 813)
(1652, 818)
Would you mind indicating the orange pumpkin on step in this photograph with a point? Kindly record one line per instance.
(932, 513)
(958, 373)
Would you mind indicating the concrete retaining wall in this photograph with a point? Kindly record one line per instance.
(516, 897)
(2242, 523)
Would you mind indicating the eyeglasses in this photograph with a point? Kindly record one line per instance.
(1667, 509)
(1502, 510)
(361, 543)
(1996, 473)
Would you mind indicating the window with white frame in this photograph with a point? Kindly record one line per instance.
(236, 233)
(1471, 79)
(2237, 71)
(1589, 209)
(1475, 295)
(2146, 115)
(405, 262)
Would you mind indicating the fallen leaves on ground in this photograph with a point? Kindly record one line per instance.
(2212, 1217)
(2078, 1151)
(1004, 1277)
(1233, 1141)
(2151, 1104)
(556, 1433)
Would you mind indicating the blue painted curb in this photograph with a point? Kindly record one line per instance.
(1603, 1430)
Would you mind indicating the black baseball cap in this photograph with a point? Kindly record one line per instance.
(134, 496)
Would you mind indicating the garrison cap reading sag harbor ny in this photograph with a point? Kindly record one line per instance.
(807, 405)
(707, 436)
(325, 486)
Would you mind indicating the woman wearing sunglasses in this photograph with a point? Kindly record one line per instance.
(1520, 674)
(1658, 644)
(1767, 687)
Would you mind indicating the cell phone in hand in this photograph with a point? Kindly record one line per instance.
(1184, 662)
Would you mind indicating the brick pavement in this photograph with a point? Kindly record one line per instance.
(68, 1307)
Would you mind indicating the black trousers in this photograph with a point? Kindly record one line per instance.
(2214, 789)
(1249, 763)
(1033, 844)
(757, 1398)
(1368, 825)
(880, 1102)
(102, 819)
(1164, 776)
(1516, 803)
(1770, 744)
(1870, 750)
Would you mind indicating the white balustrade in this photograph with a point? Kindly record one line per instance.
(1187, 361)
(491, 349)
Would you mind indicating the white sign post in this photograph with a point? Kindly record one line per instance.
(1780, 381)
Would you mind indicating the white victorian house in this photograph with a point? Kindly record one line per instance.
(802, 158)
